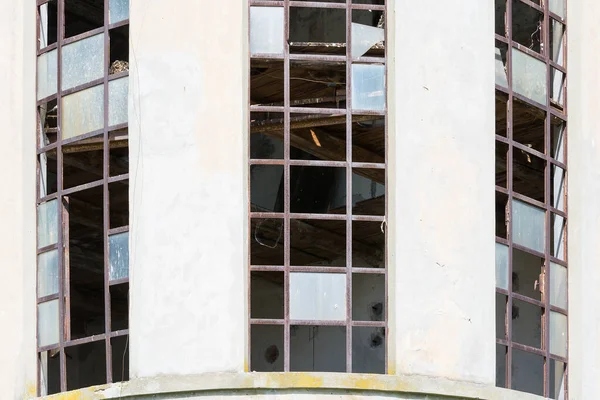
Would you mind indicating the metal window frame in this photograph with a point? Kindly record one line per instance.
(61, 194)
(287, 109)
(550, 112)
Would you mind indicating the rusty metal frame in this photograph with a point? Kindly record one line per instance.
(551, 112)
(62, 195)
(287, 216)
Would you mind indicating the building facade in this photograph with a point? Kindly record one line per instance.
(293, 199)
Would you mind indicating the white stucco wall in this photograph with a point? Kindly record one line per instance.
(17, 200)
(441, 189)
(583, 59)
(188, 152)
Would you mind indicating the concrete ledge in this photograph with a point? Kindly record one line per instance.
(301, 383)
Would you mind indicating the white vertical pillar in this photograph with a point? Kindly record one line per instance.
(188, 188)
(583, 138)
(17, 200)
(441, 186)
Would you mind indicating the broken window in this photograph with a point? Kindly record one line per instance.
(318, 276)
(82, 196)
(531, 212)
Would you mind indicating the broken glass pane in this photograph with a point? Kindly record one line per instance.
(529, 76)
(317, 296)
(47, 77)
(556, 45)
(82, 61)
(266, 30)
(117, 101)
(558, 285)
(83, 112)
(368, 350)
(557, 7)
(528, 225)
(500, 70)
(368, 87)
(364, 37)
(501, 266)
(558, 334)
(48, 323)
(47, 282)
(119, 255)
(47, 223)
(558, 149)
(118, 10)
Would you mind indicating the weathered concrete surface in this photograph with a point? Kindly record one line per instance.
(17, 199)
(584, 199)
(295, 386)
(188, 156)
(441, 186)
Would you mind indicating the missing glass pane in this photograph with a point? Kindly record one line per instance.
(266, 136)
(318, 137)
(266, 88)
(317, 30)
(368, 139)
(526, 324)
(317, 190)
(558, 234)
(86, 365)
(528, 174)
(368, 191)
(368, 244)
(83, 162)
(527, 274)
(47, 169)
(318, 243)
(266, 188)
(501, 316)
(528, 125)
(527, 25)
(501, 164)
(119, 307)
(83, 16)
(120, 358)
(48, 14)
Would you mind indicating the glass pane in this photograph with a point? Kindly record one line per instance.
(558, 149)
(501, 266)
(558, 285)
(364, 37)
(558, 334)
(119, 255)
(118, 10)
(558, 88)
(368, 87)
(529, 76)
(266, 348)
(266, 30)
(318, 348)
(83, 61)
(557, 7)
(266, 188)
(558, 237)
(48, 323)
(318, 243)
(117, 101)
(266, 295)
(556, 44)
(527, 372)
(368, 297)
(266, 242)
(527, 324)
(83, 112)
(47, 77)
(500, 365)
(47, 223)
(500, 69)
(557, 375)
(501, 316)
(368, 350)
(47, 276)
(558, 188)
(317, 296)
(528, 225)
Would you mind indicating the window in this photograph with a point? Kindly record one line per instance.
(82, 197)
(318, 276)
(531, 212)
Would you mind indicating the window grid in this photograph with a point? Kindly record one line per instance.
(288, 108)
(555, 115)
(62, 196)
